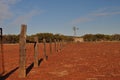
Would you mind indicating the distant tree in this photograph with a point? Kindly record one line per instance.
(101, 37)
(89, 37)
(108, 38)
(47, 36)
(10, 38)
(116, 37)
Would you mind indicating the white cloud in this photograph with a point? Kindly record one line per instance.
(108, 11)
(10, 1)
(24, 18)
(5, 12)
(81, 20)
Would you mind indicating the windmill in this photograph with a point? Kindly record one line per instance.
(75, 30)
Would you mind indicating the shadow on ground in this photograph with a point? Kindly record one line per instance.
(32, 65)
(8, 74)
(27, 70)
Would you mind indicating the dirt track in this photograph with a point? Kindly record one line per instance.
(83, 61)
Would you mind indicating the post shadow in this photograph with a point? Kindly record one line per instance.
(8, 74)
(40, 61)
(29, 68)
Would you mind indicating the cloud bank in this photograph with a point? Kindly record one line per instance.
(81, 20)
(111, 11)
(6, 13)
(23, 19)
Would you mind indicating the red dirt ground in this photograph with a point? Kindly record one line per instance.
(78, 61)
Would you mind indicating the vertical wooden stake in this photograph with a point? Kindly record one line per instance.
(60, 45)
(55, 45)
(22, 45)
(63, 43)
(36, 52)
(2, 70)
(50, 46)
(44, 42)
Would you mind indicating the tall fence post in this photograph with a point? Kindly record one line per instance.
(36, 52)
(55, 45)
(50, 46)
(44, 42)
(62, 43)
(1, 53)
(58, 45)
(22, 45)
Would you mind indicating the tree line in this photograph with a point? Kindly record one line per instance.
(12, 38)
(101, 37)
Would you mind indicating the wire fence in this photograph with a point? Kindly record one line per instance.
(24, 56)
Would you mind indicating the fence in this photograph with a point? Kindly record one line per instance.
(23, 51)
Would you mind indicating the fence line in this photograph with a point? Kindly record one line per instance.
(56, 45)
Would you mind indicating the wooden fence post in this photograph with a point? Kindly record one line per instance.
(62, 43)
(58, 45)
(50, 46)
(22, 47)
(36, 52)
(55, 45)
(44, 42)
(1, 53)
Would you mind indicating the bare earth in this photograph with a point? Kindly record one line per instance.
(83, 61)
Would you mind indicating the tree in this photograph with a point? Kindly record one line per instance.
(10, 38)
(116, 37)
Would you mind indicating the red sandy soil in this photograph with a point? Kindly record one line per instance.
(76, 61)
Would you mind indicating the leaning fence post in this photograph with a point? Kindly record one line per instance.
(22, 48)
(44, 42)
(50, 46)
(36, 52)
(1, 54)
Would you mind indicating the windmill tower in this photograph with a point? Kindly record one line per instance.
(75, 30)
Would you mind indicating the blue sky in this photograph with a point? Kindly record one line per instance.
(59, 16)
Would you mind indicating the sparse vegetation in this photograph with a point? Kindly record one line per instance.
(88, 37)
(101, 37)
(30, 38)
